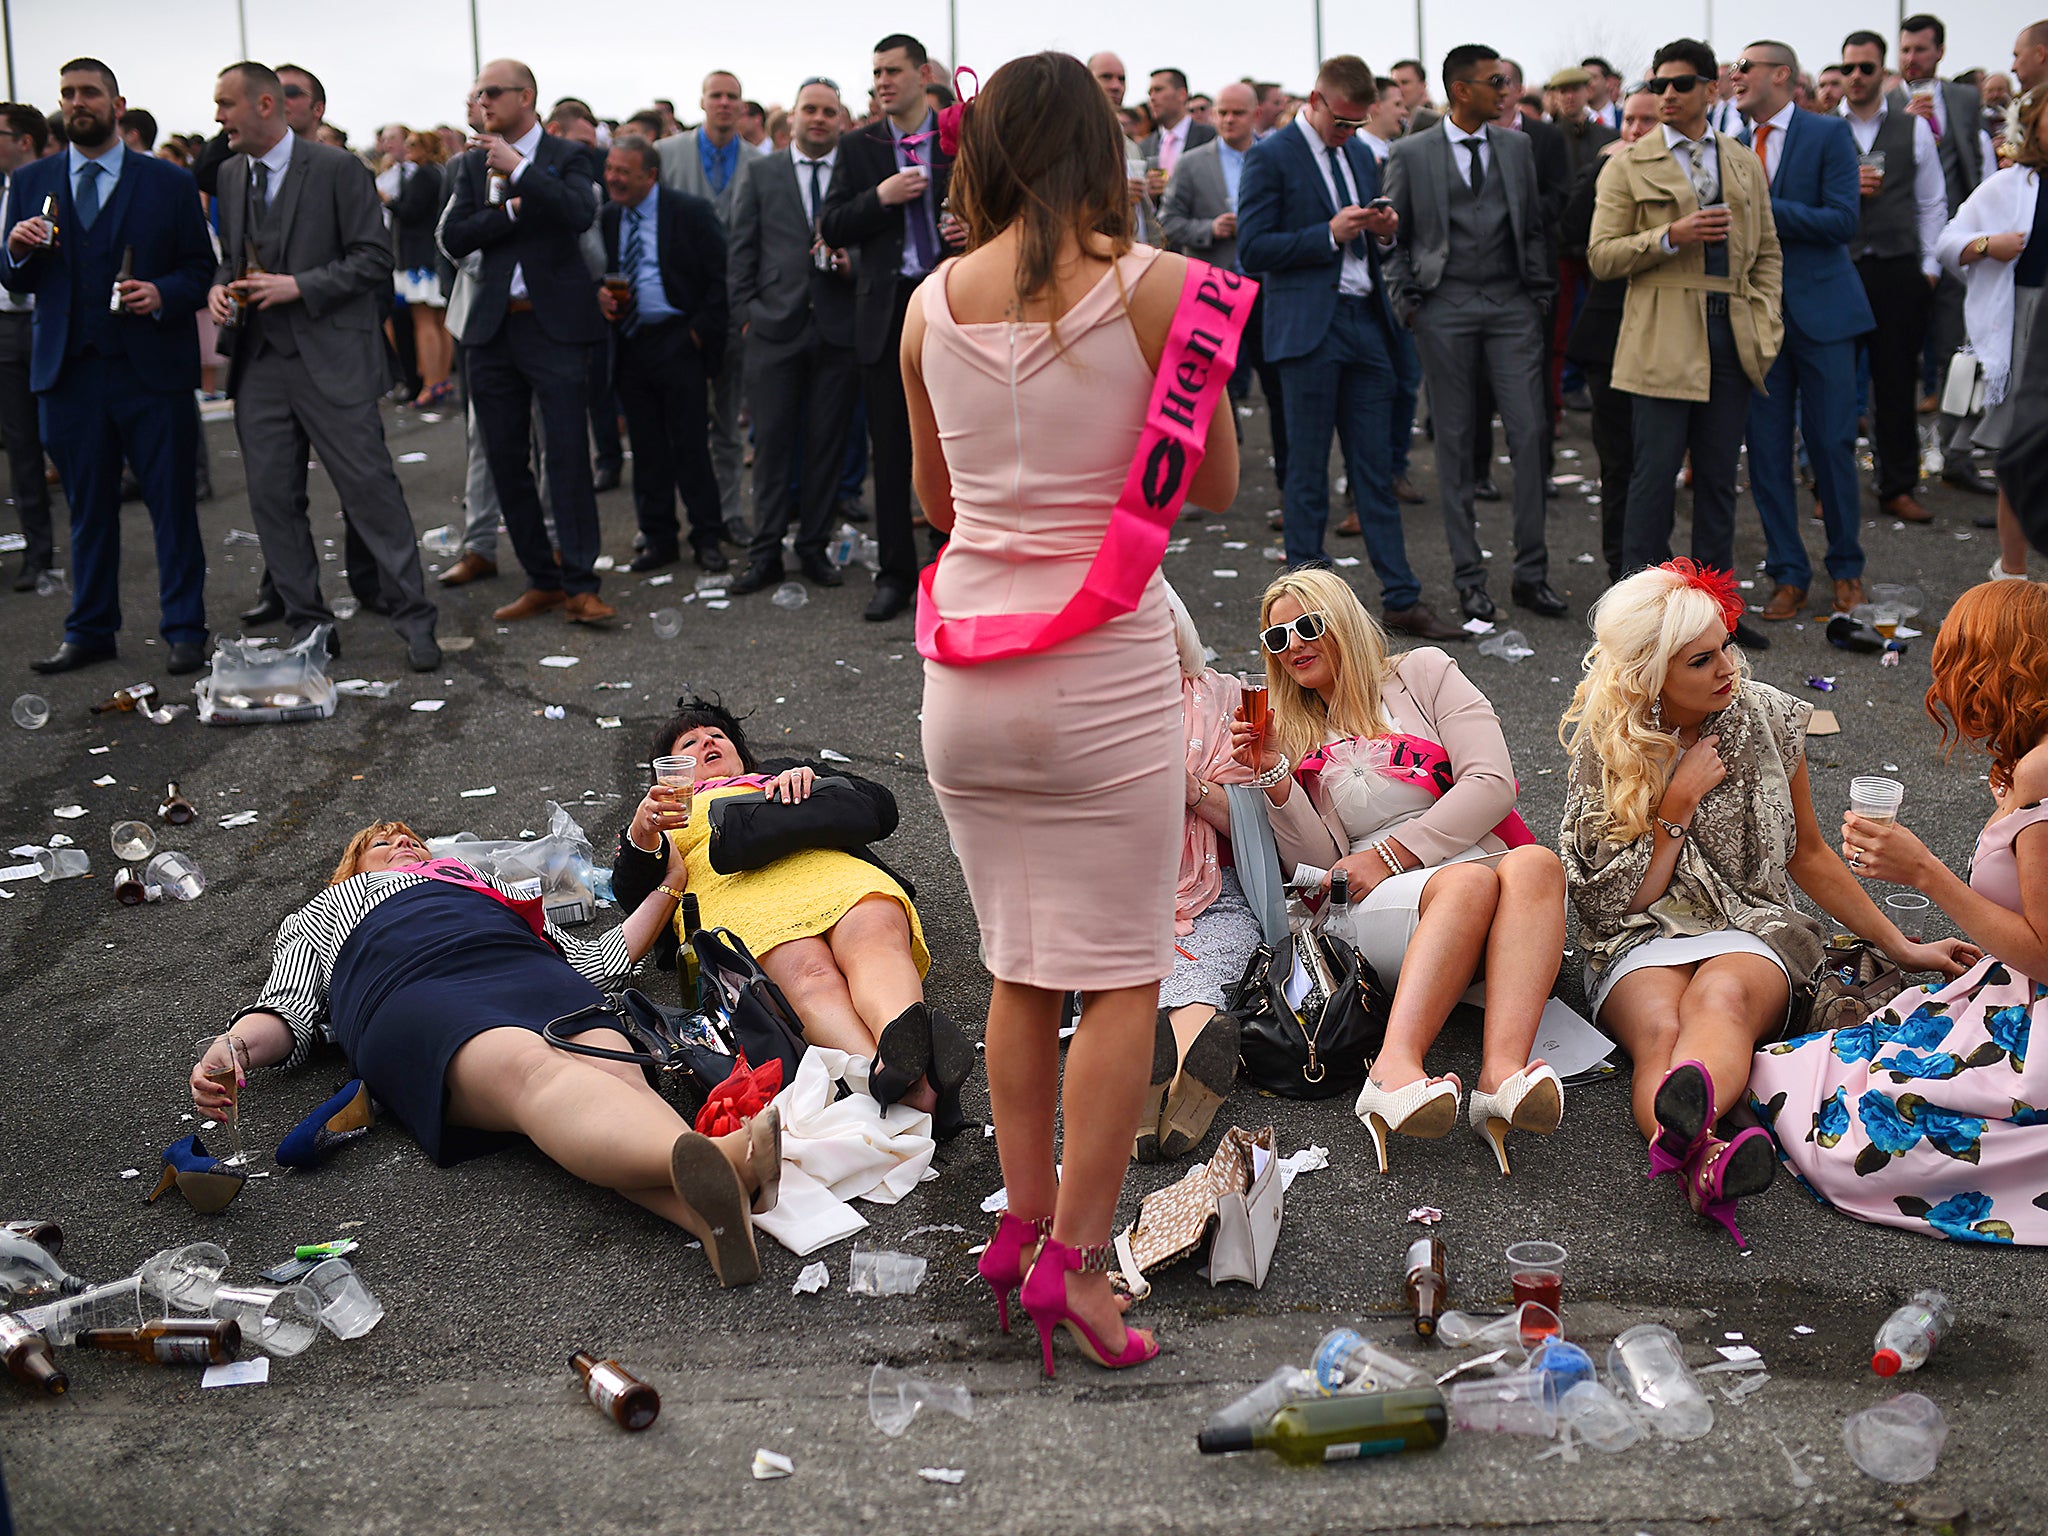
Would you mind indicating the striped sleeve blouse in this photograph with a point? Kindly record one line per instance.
(309, 943)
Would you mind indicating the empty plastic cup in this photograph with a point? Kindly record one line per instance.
(1908, 910)
(132, 841)
(177, 874)
(667, 622)
(1503, 1405)
(62, 864)
(1599, 1418)
(894, 1398)
(185, 1279)
(1530, 1320)
(1648, 1366)
(347, 1309)
(1562, 1366)
(1898, 1440)
(31, 712)
(280, 1320)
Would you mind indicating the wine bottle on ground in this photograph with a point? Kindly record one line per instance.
(616, 1391)
(1340, 1428)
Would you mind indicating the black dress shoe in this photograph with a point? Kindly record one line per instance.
(1475, 604)
(1970, 480)
(850, 510)
(654, 560)
(710, 557)
(264, 613)
(187, 656)
(1989, 520)
(605, 479)
(820, 572)
(891, 598)
(755, 578)
(1486, 490)
(1539, 597)
(1750, 638)
(26, 581)
(71, 655)
(422, 654)
(1420, 622)
(375, 604)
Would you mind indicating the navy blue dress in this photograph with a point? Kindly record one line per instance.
(423, 973)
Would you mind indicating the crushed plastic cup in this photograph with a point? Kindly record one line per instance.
(347, 1309)
(878, 1272)
(185, 1279)
(31, 712)
(345, 607)
(281, 1320)
(1467, 1330)
(1562, 1366)
(179, 876)
(1504, 1405)
(132, 841)
(443, 540)
(790, 594)
(51, 584)
(1599, 1418)
(62, 864)
(1648, 1366)
(894, 1398)
(1898, 1440)
(667, 623)
(1510, 645)
(117, 1304)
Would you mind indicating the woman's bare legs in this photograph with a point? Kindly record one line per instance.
(1451, 925)
(431, 345)
(1023, 1061)
(1713, 1013)
(1524, 948)
(2012, 544)
(1641, 1011)
(807, 971)
(871, 944)
(597, 1119)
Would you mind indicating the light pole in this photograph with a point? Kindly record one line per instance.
(7, 25)
(242, 26)
(476, 47)
(1319, 32)
(953, 34)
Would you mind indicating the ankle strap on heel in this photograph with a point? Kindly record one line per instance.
(1088, 1258)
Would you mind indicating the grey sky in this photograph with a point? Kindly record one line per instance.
(410, 61)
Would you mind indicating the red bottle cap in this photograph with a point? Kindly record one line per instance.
(1886, 1362)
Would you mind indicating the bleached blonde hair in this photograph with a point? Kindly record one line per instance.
(1639, 624)
(1357, 649)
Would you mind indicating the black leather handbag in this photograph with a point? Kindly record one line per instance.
(688, 1052)
(1323, 1048)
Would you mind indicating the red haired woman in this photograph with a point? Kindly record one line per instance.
(1930, 1114)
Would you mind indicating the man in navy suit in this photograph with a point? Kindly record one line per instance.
(1810, 163)
(1306, 231)
(115, 359)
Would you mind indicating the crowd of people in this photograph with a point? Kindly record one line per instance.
(1020, 314)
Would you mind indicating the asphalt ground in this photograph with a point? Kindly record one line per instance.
(458, 1413)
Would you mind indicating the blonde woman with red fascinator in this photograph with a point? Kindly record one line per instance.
(1687, 820)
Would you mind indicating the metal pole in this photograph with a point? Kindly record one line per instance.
(476, 46)
(242, 26)
(952, 34)
(1421, 55)
(1707, 36)
(1319, 33)
(7, 24)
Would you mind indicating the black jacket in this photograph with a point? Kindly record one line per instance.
(691, 250)
(557, 202)
(414, 213)
(1553, 171)
(1598, 328)
(856, 218)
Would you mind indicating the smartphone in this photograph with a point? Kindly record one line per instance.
(1378, 203)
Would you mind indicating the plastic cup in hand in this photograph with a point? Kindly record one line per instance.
(185, 1279)
(667, 623)
(1536, 1271)
(132, 841)
(1504, 1405)
(680, 775)
(1898, 1440)
(177, 874)
(1876, 799)
(31, 712)
(1908, 910)
(62, 864)
(894, 1398)
(347, 1309)
(281, 1320)
(1647, 1364)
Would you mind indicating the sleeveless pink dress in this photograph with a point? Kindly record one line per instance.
(1059, 773)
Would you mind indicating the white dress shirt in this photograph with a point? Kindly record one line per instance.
(526, 144)
(825, 164)
(1461, 157)
(1171, 142)
(1355, 280)
(1930, 187)
(1680, 147)
(277, 160)
(1380, 147)
(12, 303)
(1774, 141)
(1988, 156)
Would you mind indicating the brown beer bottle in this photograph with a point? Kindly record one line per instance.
(1426, 1283)
(45, 1234)
(172, 1340)
(176, 809)
(128, 887)
(630, 1401)
(134, 696)
(27, 1355)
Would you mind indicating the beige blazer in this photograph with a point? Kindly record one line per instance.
(1662, 350)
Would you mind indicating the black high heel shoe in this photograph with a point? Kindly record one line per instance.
(902, 1055)
(952, 1063)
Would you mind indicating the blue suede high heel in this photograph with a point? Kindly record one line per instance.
(198, 1176)
(330, 1127)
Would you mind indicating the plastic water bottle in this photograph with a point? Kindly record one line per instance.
(1909, 1335)
(1347, 1362)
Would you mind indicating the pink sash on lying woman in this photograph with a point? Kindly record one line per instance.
(1194, 369)
(455, 872)
(1424, 762)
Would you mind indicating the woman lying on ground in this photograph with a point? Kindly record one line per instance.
(1928, 1115)
(1401, 779)
(1688, 808)
(777, 852)
(436, 982)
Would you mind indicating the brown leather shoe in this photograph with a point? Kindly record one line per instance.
(1350, 526)
(1406, 494)
(1420, 622)
(1785, 604)
(588, 608)
(530, 603)
(1906, 510)
(1848, 594)
(471, 567)
(1276, 520)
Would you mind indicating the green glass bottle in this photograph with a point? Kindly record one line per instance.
(1341, 1428)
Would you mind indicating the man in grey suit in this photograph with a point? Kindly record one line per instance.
(1469, 277)
(793, 296)
(308, 363)
(706, 162)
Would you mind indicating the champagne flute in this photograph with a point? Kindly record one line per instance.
(228, 1079)
(1256, 708)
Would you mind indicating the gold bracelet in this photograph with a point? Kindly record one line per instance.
(670, 892)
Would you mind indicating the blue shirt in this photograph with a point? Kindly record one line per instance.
(650, 299)
(1233, 167)
(918, 156)
(719, 164)
(109, 176)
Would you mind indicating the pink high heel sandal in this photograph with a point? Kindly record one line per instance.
(1718, 1173)
(1045, 1298)
(1685, 1111)
(1003, 1262)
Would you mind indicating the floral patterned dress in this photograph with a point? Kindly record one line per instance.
(1928, 1115)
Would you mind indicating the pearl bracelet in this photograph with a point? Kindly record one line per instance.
(1273, 775)
(1394, 866)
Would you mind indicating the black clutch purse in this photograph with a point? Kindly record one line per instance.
(1324, 1047)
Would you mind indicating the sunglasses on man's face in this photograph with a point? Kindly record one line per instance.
(1744, 66)
(295, 91)
(1683, 84)
(1860, 67)
(490, 92)
(1310, 626)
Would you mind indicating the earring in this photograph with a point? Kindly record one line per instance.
(1657, 713)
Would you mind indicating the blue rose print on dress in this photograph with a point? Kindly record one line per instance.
(1964, 1218)
(1831, 1121)
(1897, 1126)
(1907, 1064)
(1925, 1026)
(2008, 1028)
(2026, 1114)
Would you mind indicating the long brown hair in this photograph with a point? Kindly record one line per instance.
(1991, 673)
(1040, 148)
(2029, 150)
(352, 856)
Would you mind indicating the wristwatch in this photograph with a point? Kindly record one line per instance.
(1981, 246)
(1671, 827)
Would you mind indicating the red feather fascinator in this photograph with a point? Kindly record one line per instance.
(1719, 585)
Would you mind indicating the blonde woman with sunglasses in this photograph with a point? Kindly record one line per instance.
(1394, 771)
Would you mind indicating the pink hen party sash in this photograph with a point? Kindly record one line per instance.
(1194, 369)
(1422, 761)
(455, 872)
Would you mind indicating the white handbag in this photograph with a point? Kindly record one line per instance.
(1248, 1224)
(1963, 394)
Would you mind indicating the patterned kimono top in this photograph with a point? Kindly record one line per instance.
(1731, 866)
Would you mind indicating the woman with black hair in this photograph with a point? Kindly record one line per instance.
(832, 925)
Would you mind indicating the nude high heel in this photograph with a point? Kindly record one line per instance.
(1532, 1100)
(764, 1158)
(1427, 1107)
(714, 1206)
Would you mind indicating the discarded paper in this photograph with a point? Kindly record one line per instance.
(770, 1464)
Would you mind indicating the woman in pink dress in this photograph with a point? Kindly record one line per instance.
(1932, 1114)
(1028, 364)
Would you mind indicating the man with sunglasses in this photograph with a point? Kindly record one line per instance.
(1902, 210)
(1810, 164)
(1307, 227)
(1685, 215)
(1470, 279)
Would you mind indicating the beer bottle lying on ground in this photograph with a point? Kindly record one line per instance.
(617, 1391)
(1426, 1284)
(172, 1340)
(26, 1354)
